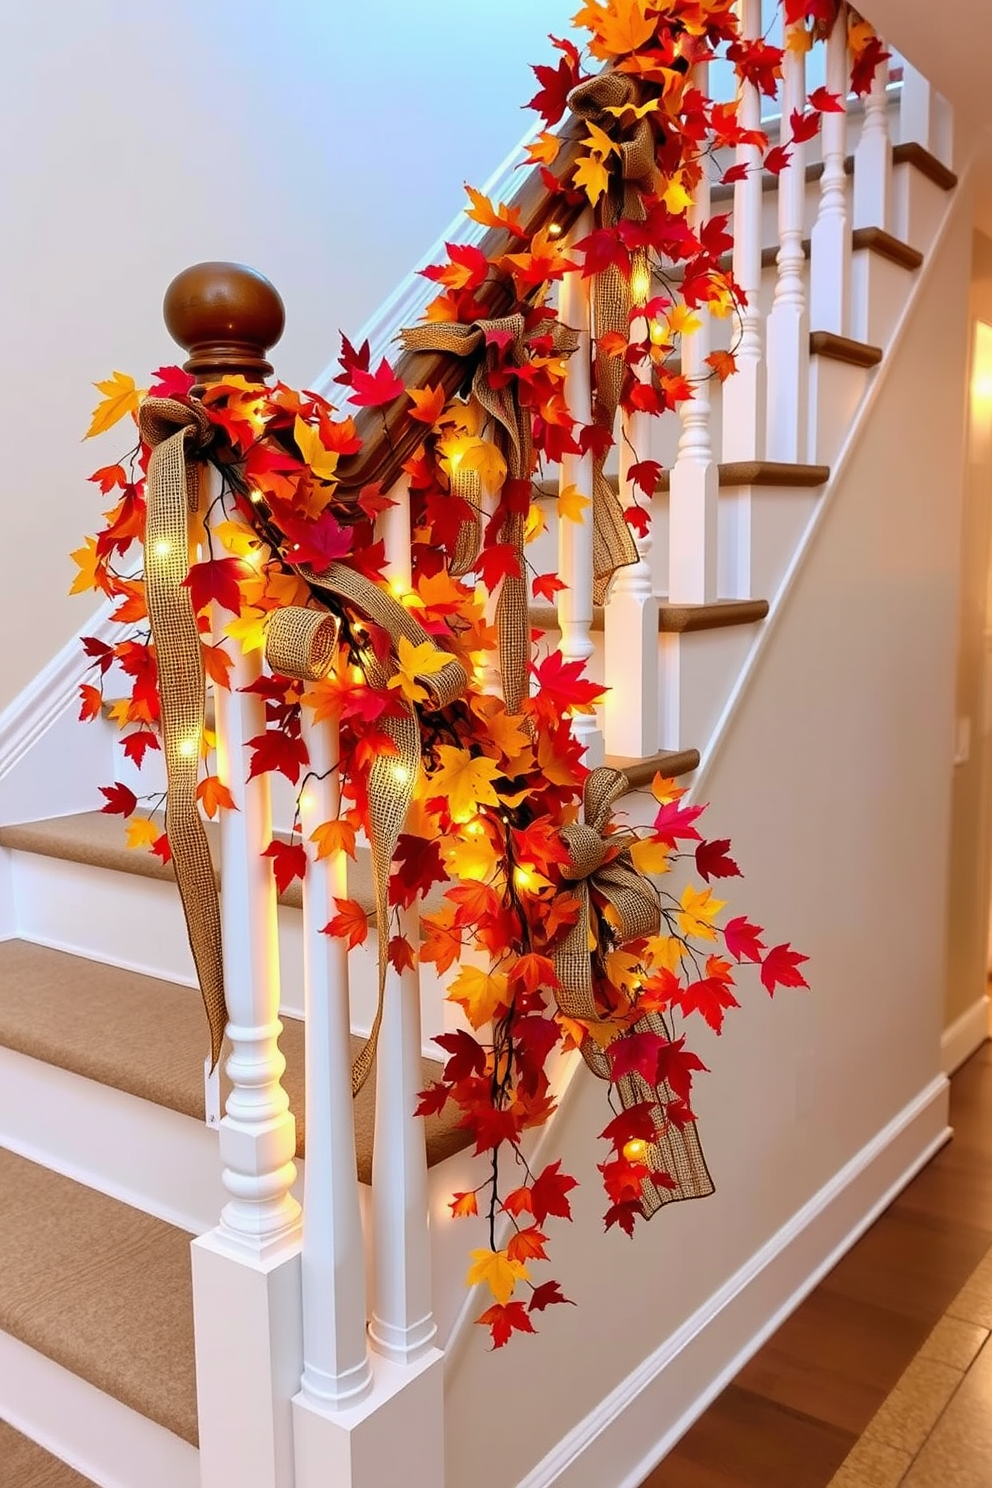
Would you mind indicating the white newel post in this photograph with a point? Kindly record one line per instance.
(788, 323)
(873, 158)
(575, 545)
(925, 116)
(692, 522)
(402, 1325)
(830, 253)
(336, 1369)
(743, 394)
(631, 711)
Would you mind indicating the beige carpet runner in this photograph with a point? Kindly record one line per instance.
(23, 1464)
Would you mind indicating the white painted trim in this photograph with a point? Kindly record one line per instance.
(90, 1430)
(659, 1400)
(965, 1035)
(47, 695)
(857, 432)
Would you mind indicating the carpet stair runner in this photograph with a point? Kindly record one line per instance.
(23, 1464)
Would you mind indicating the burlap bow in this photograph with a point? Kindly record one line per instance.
(300, 643)
(492, 343)
(612, 300)
(602, 865)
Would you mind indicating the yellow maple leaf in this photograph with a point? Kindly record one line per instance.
(467, 782)
(483, 456)
(483, 211)
(591, 176)
(536, 524)
(470, 858)
(120, 396)
(323, 462)
(238, 539)
(504, 729)
(664, 952)
(799, 40)
(90, 567)
(650, 857)
(248, 629)
(676, 197)
(682, 322)
(699, 909)
(633, 110)
(544, 150)
(142, 831)
(572, 503)
(334, 837)
(494, 1269)
(480, 993)
(413, 662)
(624, 970)
(619, 27)
(598, 142)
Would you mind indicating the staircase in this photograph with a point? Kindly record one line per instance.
(123, 1366)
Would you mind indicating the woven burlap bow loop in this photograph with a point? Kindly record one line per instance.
(598, 866)
(302, 643)
(178, 435)
(492, 343)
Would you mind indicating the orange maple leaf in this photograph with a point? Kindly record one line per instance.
(212, 795)
(428, 404)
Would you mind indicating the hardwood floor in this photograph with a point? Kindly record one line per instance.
(794, 1412)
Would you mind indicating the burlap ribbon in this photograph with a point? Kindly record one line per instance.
(177, 434)
(492, 342)
(300, 643)
(603, 865)
(612, 301)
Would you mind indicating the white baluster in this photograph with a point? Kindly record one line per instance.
(830, 254)
(575, 560)
(873, 158)
(257, 1132)
(788, 323)
(402, 1326)
(743, 394)
(692, 560)
(631, 711)
(336, 1370)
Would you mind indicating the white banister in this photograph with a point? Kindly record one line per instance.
(788, 323)
(575, 539)
(402, 1324)
(692, 521)
(336, 1370)
(257, 1132)
(873, 158)
(631, 709)
(743, 394)
(830, 253)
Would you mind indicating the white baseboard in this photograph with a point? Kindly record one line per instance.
(965, 1035)
(629, 1432)
(91, 1431)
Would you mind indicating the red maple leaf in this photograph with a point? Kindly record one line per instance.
(825, 102)
(780, 968)
(646, 474)
(277, 749)
(497, 563)
(674, 821)
(351, 923)
(400, 954)
(625, 1214)
(372, 389)
(562, 684)
(546, 586)
(432, 1101)
(712, 860)
(136, 745)
(804, 126)
(636, 1051)
(527, 1245)
(160, 847)
(677, 1066)
(317, 543)
(90, 702)
(549, 1193)
(710, 996)
(120, 800)
(289, 861)
(171, 382)
(741, 939)
(777, 159)
(547, 1295)
(216, 581)
(417, 865)
(505, 1318)
(551, 99)
(636, 1123)
(467, 1057)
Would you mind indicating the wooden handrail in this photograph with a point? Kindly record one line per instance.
(389, 436)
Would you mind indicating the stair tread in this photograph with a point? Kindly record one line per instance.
(911, 153)
(57, 1008)
(26, 1465)
(672, 618)
(844, 349)
(762, 473)
(102, 1289)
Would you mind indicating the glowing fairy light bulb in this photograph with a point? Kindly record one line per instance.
(255, 496)
(554, 229)
(657, 333)
(188, 747)
(253, 557)
(162, 549)
(640, 283)
(401, 774)
(307, 801)
(474, 828)
(523, 878)
(635, 1151)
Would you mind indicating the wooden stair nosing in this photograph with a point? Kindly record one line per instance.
(56, 1007)
(669, 763)
(762, 473)
(102, 1289)
(871, 239)
(673, 619)
(911, 153)
(844, 349)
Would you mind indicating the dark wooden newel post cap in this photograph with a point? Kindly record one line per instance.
(227, 317)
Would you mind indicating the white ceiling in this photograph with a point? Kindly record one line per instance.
(951, 45)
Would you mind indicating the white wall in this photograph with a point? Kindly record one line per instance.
(834, 785)
(324, 142)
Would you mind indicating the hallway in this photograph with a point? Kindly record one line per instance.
(793, 1415)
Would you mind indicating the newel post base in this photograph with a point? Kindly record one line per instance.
(249, 1354)
(393, 1437)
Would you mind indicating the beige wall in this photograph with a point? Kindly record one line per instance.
(971, 838)
(319, 141)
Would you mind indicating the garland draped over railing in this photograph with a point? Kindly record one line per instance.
(470, 797)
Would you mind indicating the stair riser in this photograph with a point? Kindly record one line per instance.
(835, 393)
(918, 207)
(759, 529)
(880, 290)
(137, 923)
(104, 1440)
